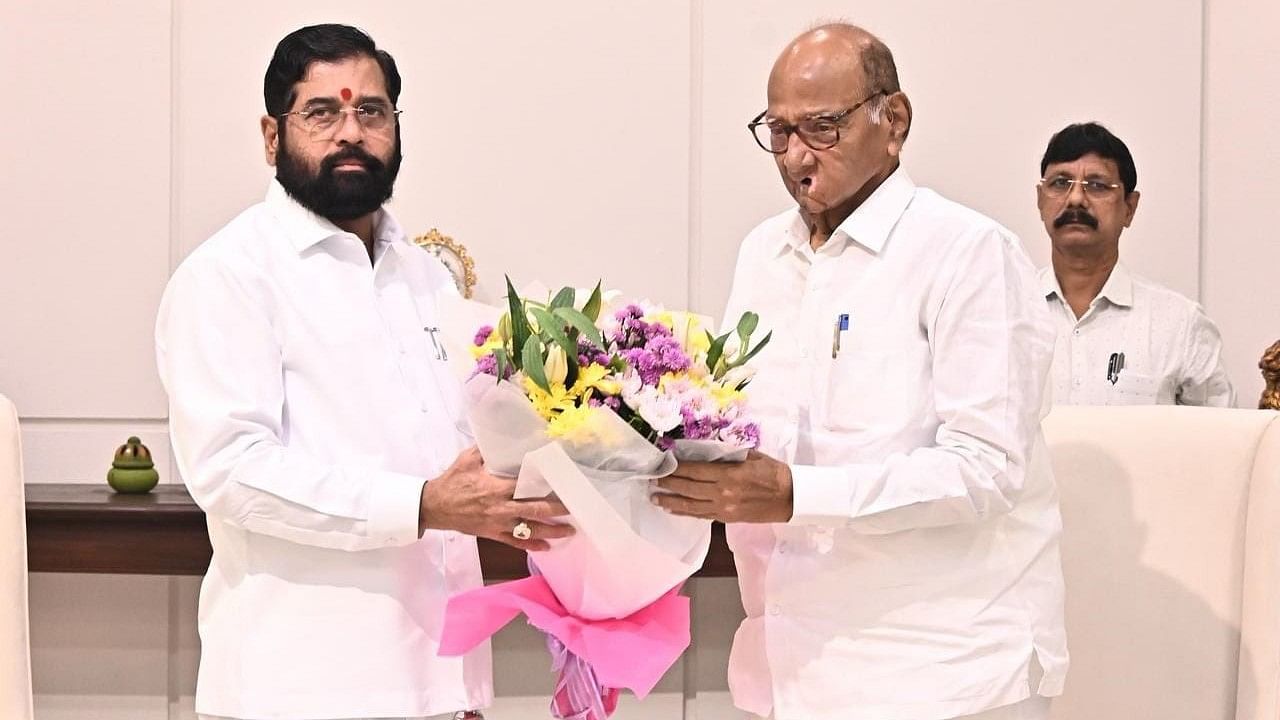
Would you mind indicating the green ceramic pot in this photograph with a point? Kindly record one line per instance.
(132, 470)
(132, 480)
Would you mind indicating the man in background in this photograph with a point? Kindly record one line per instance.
(1122, 339)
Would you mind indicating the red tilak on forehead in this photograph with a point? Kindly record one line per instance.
(346, 93)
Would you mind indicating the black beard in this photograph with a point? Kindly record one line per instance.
(333, 195)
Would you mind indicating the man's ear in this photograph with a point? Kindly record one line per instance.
(270, 138)
(897, 114)
(1131, 206)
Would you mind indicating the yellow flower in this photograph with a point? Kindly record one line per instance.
(587, 425)
(725, 395)
(575, 425)
(595, 377)
(547, 404)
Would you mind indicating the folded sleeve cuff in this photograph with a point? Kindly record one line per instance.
(393, 508)
(821, 495)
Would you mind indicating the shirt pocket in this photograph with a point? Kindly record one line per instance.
(1134, 389)
(865, 390)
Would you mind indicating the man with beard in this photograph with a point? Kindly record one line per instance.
(896, 537)
(315, 421)
(1122, 339)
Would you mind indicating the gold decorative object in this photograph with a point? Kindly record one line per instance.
(1270, 365)
(454, 256)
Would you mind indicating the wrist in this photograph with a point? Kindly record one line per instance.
(786, 483)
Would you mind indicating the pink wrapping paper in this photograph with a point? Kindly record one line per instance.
(631, 653)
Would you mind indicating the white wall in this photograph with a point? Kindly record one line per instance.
(558, 142)
(1240, 266)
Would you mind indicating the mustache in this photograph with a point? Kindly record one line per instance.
(1075, 216)
(348, 153)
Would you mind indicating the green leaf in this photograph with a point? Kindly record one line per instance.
(592, 308)
(747, 358)
(501, 356)
(571, 365)
(552, 329)
(716, 350)
(564, 298)
(520, 329)
(533, 360)
(582, 323)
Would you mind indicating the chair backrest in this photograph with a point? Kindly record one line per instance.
(1171, 553)
(15, 646)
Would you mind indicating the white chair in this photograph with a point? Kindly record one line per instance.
(15, 646)
(1171, 552)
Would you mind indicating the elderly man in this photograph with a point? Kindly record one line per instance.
(897, 539)
(317, 428)
(1122, 339)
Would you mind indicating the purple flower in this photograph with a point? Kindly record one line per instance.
(633, 331)
(482, 335)
(701, 427)
(742, 434)
(589, 354)
(488, 365)
(659, 356)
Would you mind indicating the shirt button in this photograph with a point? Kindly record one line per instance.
(1076, 331)
(1076, 382)
(775, 609)
(782, 548)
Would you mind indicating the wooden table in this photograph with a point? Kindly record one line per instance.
(77, 528)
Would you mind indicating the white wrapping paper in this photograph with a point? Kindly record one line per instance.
(627, 552)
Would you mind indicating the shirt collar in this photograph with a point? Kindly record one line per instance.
(306, 229)
(869, 225)
(1118, 290)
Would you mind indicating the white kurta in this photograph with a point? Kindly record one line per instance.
(920, 574)
(307, 408)
(1138, 344)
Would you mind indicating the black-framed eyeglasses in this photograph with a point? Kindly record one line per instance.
(1060, 186)
(323, 121)
(819, 132)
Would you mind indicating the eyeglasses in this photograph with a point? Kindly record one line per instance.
(819, 132)
(323, 121)
(1060, 186)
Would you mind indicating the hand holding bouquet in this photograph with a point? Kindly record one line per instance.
(592, 403)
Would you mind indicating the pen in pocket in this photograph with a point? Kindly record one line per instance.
(842, 324)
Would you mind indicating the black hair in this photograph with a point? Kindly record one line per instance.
(320, 43)
(1079, 139)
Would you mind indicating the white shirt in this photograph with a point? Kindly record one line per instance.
(307, 407)
(1172, 352)
(920, 573)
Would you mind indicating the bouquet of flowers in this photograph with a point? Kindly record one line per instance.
(591, 403)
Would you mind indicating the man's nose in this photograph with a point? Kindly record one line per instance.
(1076, 196)
(349, 130)
(798, 159)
